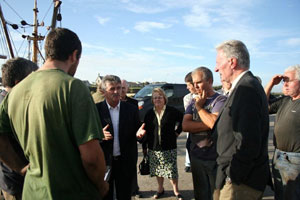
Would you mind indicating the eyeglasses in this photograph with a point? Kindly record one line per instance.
(159, 97)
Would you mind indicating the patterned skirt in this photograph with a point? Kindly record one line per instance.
(163, 163)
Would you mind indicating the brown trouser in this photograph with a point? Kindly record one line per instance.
(231, 191)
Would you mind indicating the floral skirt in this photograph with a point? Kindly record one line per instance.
(163, 163)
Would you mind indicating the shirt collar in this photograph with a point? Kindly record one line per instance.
(235, 81)
(164, 108)
(110, 107)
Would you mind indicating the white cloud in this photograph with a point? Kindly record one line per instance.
(172, 53)
(147, 26)
(186, 46)
(125, 30)
(293, 42)
(198, 18)
(102, 20)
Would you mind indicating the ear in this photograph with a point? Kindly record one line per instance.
(73, 56)
(233, 63)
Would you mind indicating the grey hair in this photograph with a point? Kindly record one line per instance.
(295, 68)
(236, 49)
(111, 79)
(207, 74)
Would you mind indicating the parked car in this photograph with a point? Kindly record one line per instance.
(174, 92)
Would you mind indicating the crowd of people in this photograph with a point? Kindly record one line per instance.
(59, 142)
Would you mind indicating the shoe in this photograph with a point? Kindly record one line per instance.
(187, 169)
(158, 194)
(179, 197)
(138, 195)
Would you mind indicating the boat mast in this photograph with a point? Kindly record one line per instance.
(57, 4)
(6, 35)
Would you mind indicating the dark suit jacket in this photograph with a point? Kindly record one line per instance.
(131, 101)
(241, 133)
(129, 123)
(170, 119)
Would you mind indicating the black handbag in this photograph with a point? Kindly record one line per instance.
(144, 166)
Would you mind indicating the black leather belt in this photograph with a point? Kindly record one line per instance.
(116, 157)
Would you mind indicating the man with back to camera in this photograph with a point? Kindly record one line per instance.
(56, 122)
(13, 72)
(187, 100)
(122, 129)
(241, 130)
(286, 160)
(199, 119)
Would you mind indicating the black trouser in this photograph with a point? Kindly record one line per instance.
(121, 177)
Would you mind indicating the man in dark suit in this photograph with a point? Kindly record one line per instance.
(124, 96)
(121, 131)
(241, 128)
(135, 188)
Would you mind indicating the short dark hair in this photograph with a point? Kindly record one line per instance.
(188, 78)
(16, 69)
(61, 43)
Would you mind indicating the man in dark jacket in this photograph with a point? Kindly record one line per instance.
(241, 129)
(121, 131)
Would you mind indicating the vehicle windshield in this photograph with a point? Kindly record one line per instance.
(146, 91)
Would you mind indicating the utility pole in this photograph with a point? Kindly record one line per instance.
(6, 35)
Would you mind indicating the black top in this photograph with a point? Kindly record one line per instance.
(170, 125)
(131, 101)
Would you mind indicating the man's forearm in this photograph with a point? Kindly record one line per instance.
(194, 126)
(268, 89)
(208, 119)
(9, 156)
(95, 167)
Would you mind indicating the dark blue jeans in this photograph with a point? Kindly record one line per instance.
(286, 174)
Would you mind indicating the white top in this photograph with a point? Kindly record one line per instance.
(235, 81)
(115, 118)
(187, 100)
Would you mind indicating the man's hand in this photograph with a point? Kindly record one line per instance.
(200, 100)
(103, 189)
(24, 170)
(276, 79)
(141, 132)
(107, 135)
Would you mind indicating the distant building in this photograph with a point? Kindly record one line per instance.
(98, 79)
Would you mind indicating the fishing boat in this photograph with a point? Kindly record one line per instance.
(29, 32)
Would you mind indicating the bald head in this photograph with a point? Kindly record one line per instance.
(124, 89)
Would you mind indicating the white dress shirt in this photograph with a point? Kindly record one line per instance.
(115, 118)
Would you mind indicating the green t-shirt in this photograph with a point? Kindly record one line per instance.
(287, 124)
(52, 114)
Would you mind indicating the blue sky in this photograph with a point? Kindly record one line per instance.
(162, 40)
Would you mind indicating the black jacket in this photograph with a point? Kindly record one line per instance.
(241, 133)
(129, 123)
(171, 119)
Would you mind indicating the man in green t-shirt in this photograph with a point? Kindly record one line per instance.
(56, 123)
(286, 160)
